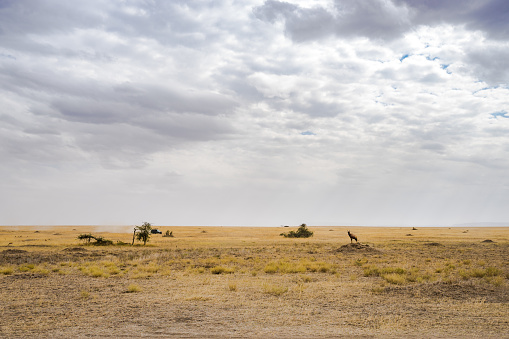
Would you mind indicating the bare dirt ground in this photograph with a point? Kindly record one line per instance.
(249, 282)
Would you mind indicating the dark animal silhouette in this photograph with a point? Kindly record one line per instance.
(352, 236)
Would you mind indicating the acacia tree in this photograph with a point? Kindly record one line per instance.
(143, 232)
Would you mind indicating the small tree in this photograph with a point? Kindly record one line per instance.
(85, 237)
(302, 232)
(99, 240)
(143, 232)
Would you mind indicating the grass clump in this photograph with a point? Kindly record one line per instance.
(481, 273)
(496, 281)
(26, 267)
(360, 262)
(320, 267)
(274, 290)
(42, 271)
(93, 271)
(494, 272)
(84, 294)
(394, 278)
(150, 268)
(111, 267)
(221, 270)
(133, 288)
(6, 270)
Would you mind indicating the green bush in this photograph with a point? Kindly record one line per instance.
(302, 232)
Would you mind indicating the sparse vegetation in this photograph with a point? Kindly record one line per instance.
(284, 283)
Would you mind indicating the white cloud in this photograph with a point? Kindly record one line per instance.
(259, 113)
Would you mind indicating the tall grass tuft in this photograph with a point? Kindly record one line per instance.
(6, 270)
(133, 288)
(394, 278)
(221, 270)
(274, 290)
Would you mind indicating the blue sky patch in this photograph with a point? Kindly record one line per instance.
(502, 114)
(444, 67)
(404, 57)
(308, 133)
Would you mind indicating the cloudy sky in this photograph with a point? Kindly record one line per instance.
(253, 112)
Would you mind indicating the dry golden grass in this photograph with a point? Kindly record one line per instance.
(251, 282)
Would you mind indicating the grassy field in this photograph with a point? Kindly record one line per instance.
(251, 282)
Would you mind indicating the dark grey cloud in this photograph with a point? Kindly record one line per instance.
(42, 17)
(374, 19)
(491, 17)
(490, 63)
(488, 16)
(385, 20)
(167, 22)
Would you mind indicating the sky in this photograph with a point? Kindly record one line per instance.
(252, 112)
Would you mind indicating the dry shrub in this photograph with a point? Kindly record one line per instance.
(232, 286)
(496, 281)
(41, 271)
(274, 289)
(6, 270)
(221, 270)
(394, 278)
(26, 267)
(133, 288)
(93, 271)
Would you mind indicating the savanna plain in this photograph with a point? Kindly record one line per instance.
(239, 282)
